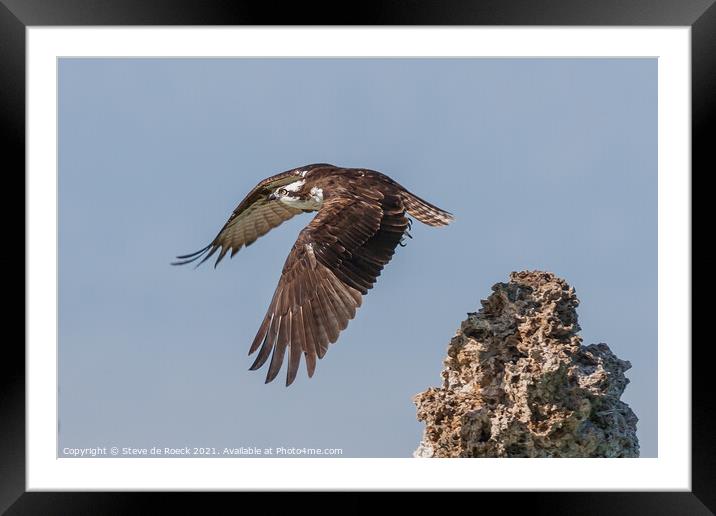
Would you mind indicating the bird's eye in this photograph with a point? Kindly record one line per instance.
(282, 191)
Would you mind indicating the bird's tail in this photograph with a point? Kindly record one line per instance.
(424, 211)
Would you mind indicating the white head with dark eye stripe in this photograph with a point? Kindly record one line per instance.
(293, 195)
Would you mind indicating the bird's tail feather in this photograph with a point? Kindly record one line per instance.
(424, 211)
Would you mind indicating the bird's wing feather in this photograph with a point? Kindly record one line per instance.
(255, 216)
(333, 263)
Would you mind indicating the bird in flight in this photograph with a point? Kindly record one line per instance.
(336, 259)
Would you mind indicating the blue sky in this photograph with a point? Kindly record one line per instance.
(547, 164)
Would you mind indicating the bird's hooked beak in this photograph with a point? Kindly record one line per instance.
(272, 196)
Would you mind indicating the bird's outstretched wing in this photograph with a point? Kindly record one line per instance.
(255, 216)
(334, 262)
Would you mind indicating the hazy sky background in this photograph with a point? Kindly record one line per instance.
(547, 164)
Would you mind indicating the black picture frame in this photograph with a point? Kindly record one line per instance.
(16, 15)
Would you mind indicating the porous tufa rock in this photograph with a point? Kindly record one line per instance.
(517, 382)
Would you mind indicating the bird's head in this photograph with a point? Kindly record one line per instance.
(297, 196)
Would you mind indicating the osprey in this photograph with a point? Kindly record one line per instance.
(335, 261)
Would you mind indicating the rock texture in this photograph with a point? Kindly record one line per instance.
(517, 382)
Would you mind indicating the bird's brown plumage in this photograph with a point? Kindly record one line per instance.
(336, 259)
(253, 218)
